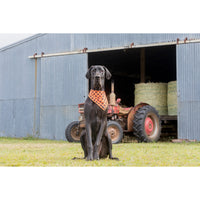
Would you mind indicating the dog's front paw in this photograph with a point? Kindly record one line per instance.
(96, 156)
(89, 157)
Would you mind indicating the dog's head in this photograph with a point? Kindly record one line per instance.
(97, 75)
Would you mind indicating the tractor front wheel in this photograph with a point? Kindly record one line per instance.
(73, 132)
(147, 124)
(115, 130)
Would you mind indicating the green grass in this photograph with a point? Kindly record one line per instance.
(32, 152)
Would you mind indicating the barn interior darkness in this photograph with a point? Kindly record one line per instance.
(125, 67)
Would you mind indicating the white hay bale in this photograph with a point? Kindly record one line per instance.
(154, 94)
(172, 98)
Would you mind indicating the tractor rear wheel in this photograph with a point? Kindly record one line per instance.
(147, 124)
(73, 132)
(115, 130)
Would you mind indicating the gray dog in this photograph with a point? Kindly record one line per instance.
(95, 140)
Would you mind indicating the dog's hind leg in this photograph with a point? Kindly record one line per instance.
(109, 142)
(84, 143)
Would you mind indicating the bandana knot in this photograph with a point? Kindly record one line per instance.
(99, 97)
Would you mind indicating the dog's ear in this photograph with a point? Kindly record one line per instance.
(88, 75)
(108, 74)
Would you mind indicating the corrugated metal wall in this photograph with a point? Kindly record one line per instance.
(95, 41)
(188, 77)
(63, 87)
(53, 43)
(17, 96)
(22, 113)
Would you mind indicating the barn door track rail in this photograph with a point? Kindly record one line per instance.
(131, 46)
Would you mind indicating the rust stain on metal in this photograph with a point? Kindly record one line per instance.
(35, 54)
(132, 44)
(132, 114)
(84, 50)
(185, 40)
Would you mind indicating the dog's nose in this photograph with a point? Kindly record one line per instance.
(97, 76)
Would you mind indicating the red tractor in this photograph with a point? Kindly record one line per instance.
(142, 120)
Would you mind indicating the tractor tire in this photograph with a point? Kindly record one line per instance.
(71, 132)
(115, 131)
(147, 124)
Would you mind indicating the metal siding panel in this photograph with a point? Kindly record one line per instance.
(7, 118)
(63, 80)
(24, 117)
(52, 43)
(63, 87)
(96, 41)
(188, 73)
(54, 120)
(17, 73)
(17, 91)
(188, 121)
(16, 118)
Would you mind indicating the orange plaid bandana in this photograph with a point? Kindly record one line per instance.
(99, 97)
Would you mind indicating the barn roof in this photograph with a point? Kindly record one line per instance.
(22, 41)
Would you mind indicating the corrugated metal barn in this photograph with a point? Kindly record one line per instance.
(39, 96)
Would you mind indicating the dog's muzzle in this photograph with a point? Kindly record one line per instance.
(97, 78)
(98, 84)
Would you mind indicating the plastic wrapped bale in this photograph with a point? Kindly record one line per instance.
(154, 94)
(172, 98)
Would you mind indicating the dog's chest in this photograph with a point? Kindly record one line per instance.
(97, 115)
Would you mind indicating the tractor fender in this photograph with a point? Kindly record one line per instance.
(131, 115)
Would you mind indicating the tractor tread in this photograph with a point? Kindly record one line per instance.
(138, 124)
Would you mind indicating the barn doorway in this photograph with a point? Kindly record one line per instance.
(125, 66)
(159, 65)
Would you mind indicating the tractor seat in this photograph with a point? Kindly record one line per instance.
(124, 111)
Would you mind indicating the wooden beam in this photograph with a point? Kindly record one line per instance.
(142, 65)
